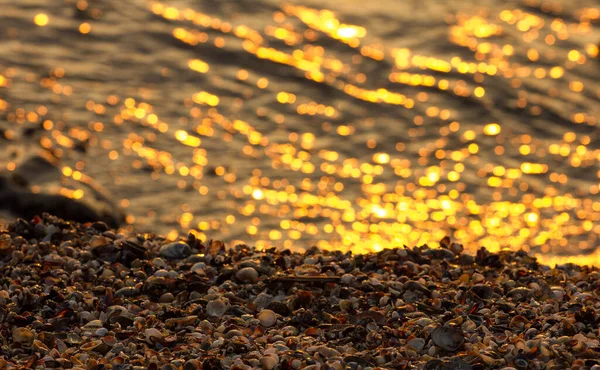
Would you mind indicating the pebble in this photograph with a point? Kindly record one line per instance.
(175, 250)
(23, 336)
(166, 298)
(216, 307)
(448, 338)
(160, 263)
(101, 332)
(262, 300)
(161, 273)
(416, 343)
(347, 279)
(327, 352)
(269, 361)
(267, 318)
(477, 278)
(247, 275)
(199, 268)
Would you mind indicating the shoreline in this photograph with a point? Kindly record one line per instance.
(83, 296)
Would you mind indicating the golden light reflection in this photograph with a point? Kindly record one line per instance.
(382, 153)
(41, 19)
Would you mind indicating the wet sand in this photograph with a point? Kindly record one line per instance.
(290, 125)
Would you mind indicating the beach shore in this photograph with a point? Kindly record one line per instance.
(83, 296)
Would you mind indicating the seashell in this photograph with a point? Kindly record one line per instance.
(482, 291)
(521, 362)
(559, 293)
(152, 335)
(40, 347)
(416, 343)
(347, 279)
(192, 364)
(117, 361)
(313, 332)
(457, 248)
(520, 294)
(95, 346)
(448, 338)
(127, 292)
(199, 268)
(109, 340)
(166, 298)
(23, 336)
(269, 361)
(101, 332)
(93, 325)
(327, 352)
(375, 316)
(73, 338)
(180, 322)
(160, 263)
(267, 318)
(175, 250)
(247, 275)
(518, 322)
(217, 307)
(491, 361)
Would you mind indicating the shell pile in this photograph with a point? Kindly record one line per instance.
(82, 296)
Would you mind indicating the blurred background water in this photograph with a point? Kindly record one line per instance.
(342, 124)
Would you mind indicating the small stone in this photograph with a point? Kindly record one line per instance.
(101, 332)
(262, 300)
(108, 273)
(269, 361)
(267, 318)
(23, 336)
(199, 268)
(448, 338)
(216, 307)
(166, 298)
(347, 279)
(424, 321)
(520, 294)
(416, 343)
(175, 250)
(127, 291)
(159, 262)
(247, 275)
(161, 273)
(559, 294)
(327, 352)
(192, 364)
(205, 326)
(477, 278)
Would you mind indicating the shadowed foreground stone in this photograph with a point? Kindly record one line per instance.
(25, 204)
